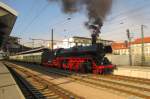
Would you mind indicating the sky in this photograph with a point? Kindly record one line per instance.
(37, 17)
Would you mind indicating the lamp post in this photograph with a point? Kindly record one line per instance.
(52, 39)
(129, 46)
(52, 33)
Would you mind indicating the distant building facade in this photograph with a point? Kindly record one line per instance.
(120, 49)
(136, 46)
(120, 54)
(79, 41)
(13, 45)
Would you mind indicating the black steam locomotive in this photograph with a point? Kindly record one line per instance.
(80, 59)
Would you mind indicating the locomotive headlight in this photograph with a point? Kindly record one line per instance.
(49, 61)
(48, 45)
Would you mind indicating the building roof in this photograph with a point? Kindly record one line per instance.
(123, 45)
(139, 40)
(33, 50)
(7, 8)
(78, 37)
(8, 18)
(116, 46)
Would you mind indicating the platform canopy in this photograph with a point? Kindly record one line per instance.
(8, 18)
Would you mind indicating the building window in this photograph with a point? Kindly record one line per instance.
(148, 50)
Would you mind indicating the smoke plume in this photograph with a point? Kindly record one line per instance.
(96, 10)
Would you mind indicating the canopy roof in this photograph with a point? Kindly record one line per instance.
(8, 18)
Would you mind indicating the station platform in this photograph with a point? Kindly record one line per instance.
(8, 87)
(133, 71)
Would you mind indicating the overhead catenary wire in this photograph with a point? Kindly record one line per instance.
(128, 12)
(78, 28)
(132, 14)
(32, 7)
(122, 20)
(36, 17)
(57, 23)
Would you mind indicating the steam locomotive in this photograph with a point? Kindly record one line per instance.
(87, 59)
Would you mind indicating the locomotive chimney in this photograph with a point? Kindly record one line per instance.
(95, 27)
(95, 33)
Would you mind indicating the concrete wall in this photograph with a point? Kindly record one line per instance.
(118, 59)
(124, 60)
(137, 60)
(133, 71)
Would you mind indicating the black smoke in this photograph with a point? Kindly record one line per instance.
(96, 10)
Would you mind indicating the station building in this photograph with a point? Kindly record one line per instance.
(8, 86)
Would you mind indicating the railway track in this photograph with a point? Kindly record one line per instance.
(123, 86)
(130, 79)
(126, 85)
(27, 89)
(35, 87)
